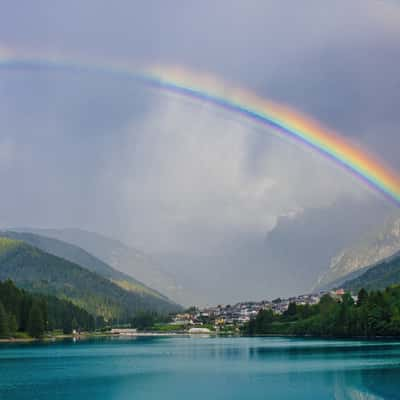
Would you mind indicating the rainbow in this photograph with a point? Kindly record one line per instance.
(210, 90)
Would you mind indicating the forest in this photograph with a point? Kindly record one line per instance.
(374, 314)
(39, 272)
(23, 313)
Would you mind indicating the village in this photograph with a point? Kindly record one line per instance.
(233, 317)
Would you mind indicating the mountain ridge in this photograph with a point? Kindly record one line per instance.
(35, 270)
(119, 256)
(378, 277)
(77, 255)
(380, 244)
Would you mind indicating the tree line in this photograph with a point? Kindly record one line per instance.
(34, 314)
(374, 314)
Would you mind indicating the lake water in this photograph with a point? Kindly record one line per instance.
(200, 368)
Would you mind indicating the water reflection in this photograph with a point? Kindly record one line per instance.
(355, 387)
(353, 370)
(197, 368)
(349, 393)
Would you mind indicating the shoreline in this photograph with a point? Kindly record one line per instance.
(84, 336)
(18, 340)
(184, 334)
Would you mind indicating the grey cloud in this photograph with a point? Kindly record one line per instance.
(98, 152)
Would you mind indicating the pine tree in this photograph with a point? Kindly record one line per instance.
(35, 321)
(362, 297)
(75, 324)
(292, 310)
(67, 323)
(3, 321)
(12, 324)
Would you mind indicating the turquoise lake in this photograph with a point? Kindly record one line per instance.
(200, 368)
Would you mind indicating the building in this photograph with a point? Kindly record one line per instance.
(199, 331)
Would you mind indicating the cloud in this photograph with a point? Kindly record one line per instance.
(96, 152)
(187, 175)
(7, 153)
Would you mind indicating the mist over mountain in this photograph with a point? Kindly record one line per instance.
(121, 257)
(374, 245)
(286, 261)
(303, 246)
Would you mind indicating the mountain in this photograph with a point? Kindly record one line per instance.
(81, 257)
(379, 244)
(285, 261)
(253, 265)
(38, 271)
(380, 276)
(120, 257)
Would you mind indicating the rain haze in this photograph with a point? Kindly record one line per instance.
(229, 208)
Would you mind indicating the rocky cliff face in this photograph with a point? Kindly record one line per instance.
(374, 247)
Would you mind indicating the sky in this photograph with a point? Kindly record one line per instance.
(214, 198)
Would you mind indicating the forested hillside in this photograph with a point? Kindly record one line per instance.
(121, 257)
(37, 271)
(34, 314)
(79, 256)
